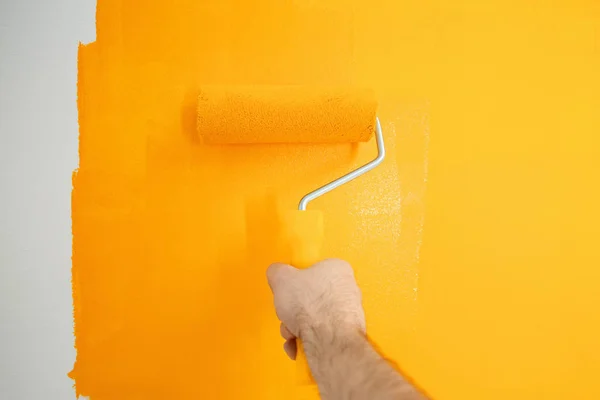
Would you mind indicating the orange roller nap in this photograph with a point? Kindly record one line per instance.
(285, 114)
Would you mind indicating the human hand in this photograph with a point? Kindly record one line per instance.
(324, 296)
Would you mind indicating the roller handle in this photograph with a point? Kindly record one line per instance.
(306, 238)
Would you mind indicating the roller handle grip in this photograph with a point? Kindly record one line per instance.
(306, 239)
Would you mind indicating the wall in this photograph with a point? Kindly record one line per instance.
(172, 238)
(506, 275)
(38, 152)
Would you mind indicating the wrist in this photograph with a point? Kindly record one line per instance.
(332, 333)
(328, 323)
(324, 342)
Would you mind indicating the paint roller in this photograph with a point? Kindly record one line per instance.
(293, 114)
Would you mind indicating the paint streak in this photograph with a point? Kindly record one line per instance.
(172, 238)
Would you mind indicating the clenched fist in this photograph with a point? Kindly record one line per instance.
(322, 297)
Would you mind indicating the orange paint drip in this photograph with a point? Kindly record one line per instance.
(172, 238)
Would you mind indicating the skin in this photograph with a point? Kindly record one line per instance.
(322, 306)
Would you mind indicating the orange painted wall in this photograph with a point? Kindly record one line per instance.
(474, 243)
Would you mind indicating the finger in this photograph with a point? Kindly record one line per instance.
(291, 348)
(285, 332)
(277, 272)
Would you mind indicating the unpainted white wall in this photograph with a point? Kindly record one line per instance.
(38, 152)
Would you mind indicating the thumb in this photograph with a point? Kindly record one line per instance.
(278, 273)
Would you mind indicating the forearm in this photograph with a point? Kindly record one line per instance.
(345, 366)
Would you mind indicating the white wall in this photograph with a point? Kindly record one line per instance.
(38, 152)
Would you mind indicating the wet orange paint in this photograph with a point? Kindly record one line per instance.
(482, 286)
